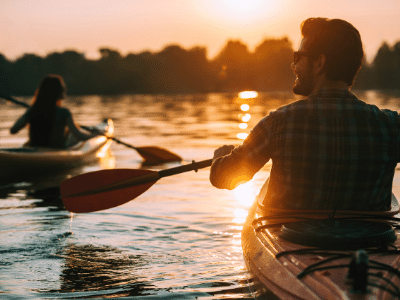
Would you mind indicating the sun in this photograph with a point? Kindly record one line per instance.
(240, 8)
(239, 12)
(244, 10)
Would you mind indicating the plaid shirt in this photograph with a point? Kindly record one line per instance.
(329, 151)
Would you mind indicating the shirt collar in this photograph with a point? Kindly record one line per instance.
(332, 93)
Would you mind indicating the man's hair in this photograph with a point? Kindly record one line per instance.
(341, 44)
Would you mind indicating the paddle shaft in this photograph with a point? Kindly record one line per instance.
(115, 139)
(185, 168)
(112, 138)
(140, 150)
(155, 176)
(122, 143)
(15, 101)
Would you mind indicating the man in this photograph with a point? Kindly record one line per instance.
(330, 150)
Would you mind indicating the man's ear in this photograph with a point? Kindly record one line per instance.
(320, 63)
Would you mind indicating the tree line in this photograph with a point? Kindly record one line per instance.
(178, 70)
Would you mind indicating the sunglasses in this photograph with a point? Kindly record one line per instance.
(298, 54)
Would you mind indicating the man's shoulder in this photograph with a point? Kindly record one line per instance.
(301, 104)
(285, 112)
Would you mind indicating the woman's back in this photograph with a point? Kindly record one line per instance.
(49, 132)
(42, 117)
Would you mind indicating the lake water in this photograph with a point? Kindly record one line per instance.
(178, 240)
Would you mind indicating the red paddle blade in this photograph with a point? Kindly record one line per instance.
(105, 189)
(153, 154)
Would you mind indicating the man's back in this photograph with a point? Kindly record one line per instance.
(332, 151)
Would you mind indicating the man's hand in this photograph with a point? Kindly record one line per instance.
(222, 151)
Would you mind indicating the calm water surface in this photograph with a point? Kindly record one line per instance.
(178, 240)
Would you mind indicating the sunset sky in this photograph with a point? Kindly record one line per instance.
(45, 26)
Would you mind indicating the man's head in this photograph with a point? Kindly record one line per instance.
(334, 45)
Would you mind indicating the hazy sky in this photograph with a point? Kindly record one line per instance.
(44, 26)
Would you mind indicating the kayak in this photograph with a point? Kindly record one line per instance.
(25, 161)
(322, 254)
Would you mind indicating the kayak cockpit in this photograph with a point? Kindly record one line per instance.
(324, 254)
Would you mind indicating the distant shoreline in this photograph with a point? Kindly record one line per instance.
(175, 70)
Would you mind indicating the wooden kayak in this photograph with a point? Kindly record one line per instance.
(322, 254)
(25, 161)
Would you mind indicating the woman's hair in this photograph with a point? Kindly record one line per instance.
(50, 90)
(341, 44)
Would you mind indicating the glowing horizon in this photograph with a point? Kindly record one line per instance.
(134, 26)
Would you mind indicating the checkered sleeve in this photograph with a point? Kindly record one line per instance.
(229, 171)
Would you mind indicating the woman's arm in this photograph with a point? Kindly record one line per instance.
(21, 122)
(77, 131)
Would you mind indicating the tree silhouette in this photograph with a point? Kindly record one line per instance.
(233, 67)
(272, 65)
(178, 70)
(383, 68)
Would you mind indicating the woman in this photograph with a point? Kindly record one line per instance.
(50, 125)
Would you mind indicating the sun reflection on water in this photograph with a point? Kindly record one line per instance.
(248, 94)
(244, 107)
(72, 217)
(106, 159)
(242, 135)
(244, 99)
(245, 196)
(245, 117)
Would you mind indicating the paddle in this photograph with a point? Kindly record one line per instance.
(151, 154)
(105, 189)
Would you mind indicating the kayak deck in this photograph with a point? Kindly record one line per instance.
(287, 270)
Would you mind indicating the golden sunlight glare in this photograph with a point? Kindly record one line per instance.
(243, 125)
(245, 194)
(240, 215)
